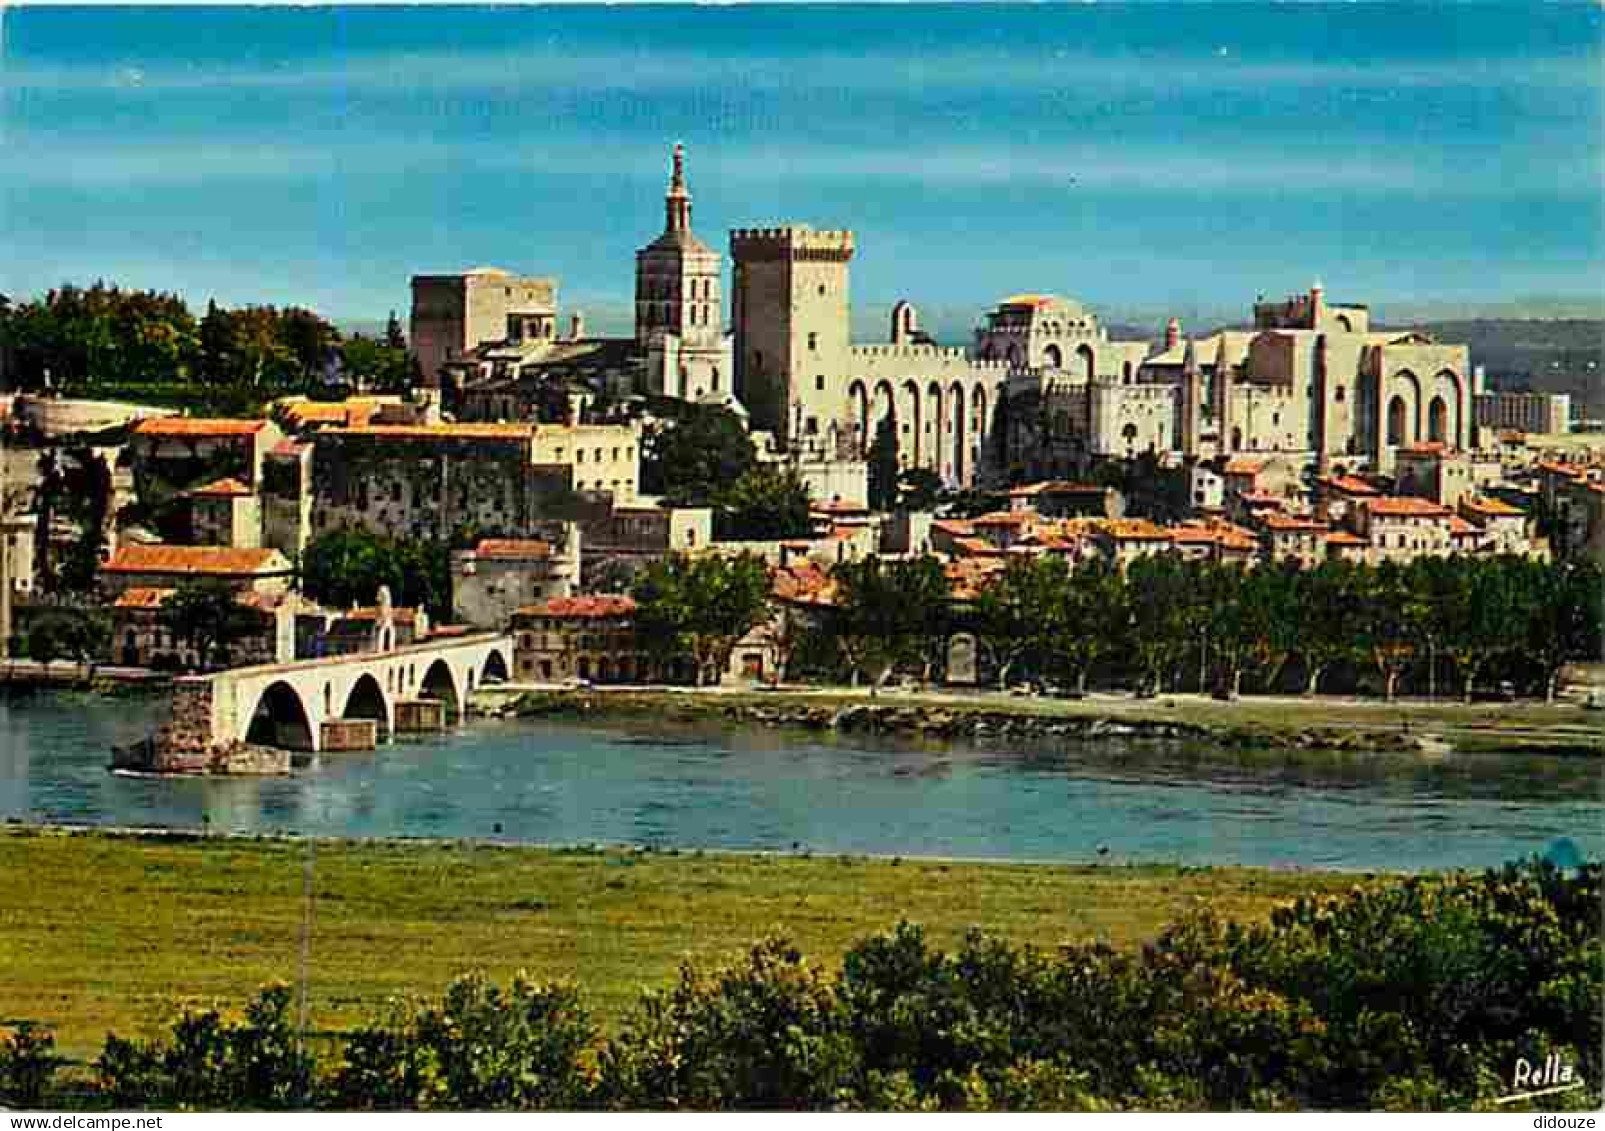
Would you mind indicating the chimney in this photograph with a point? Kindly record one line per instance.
(1172, 334)
(576, 326)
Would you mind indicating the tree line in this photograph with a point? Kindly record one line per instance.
(1162, 624)
(104, 341)
(1412, 993)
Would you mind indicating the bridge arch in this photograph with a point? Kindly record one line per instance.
(280, 718)
(367, 700)
(440, 682)
(496, 669)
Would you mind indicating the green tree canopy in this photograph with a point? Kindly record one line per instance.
(701, 606)
(207, 615)
(883, 465)
(342, 568)
(691, 458)
(764, 504)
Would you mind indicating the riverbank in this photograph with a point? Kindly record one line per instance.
(1432, 729)
(178, 920)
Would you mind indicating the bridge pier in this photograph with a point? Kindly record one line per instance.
(337, 703)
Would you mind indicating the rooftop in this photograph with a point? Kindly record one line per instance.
(592, 605)
(1399, 506)
(1491, 506)
(513, 548)
(197, 426)
(221, 489)
(218, 561)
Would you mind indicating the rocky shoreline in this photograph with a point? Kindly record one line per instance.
(938, 722)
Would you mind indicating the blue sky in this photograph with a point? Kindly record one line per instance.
(1143, 158)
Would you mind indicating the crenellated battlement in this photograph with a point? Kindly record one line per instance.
(791, 241)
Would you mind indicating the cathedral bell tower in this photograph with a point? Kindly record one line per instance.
(677, 290)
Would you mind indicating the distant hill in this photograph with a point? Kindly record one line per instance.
(1543, 356)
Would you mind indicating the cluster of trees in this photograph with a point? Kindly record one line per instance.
(108, 342)
(74, 485)
(1176, 623)
(342, 568)
(702, 456)
(700, 607)
(1164, 623)
(1405, 994)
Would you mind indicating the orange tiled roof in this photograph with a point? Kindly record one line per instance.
(221, 489)
(1556, 468)
(1243, 465)
(1345, 538)
(976, 547)
(289, 448)
(142, 598)
(1426, 448)
(1135, 530)
(1004, 518)
(803, 582)
(1287, 522)
(371, 612)
(1492, 506)
(597, 605)
(221, 561)
(1051, 485)
(1261, 499)
(1405, 506)
(958, 527)
(513, 548)
(837, 506)
(1459, 527)
(197, 426)
(1351, 485)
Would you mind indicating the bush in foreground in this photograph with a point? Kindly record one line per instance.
(1418, 993)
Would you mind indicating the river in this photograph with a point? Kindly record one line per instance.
(552, 783)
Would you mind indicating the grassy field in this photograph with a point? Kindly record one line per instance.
(106, 932)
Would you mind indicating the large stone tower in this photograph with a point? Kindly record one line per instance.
(790, 319)
(677, 276)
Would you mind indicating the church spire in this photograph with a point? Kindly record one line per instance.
(677, 202)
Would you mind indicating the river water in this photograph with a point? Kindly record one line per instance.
(757, 789)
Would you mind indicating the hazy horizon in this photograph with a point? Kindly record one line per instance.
(1147, 160)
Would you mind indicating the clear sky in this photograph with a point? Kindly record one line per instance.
(1141, 158)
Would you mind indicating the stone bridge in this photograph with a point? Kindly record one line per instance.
(340, 702)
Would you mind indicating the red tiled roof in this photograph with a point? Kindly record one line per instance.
(1261, 499)
(221, 489)
(289, 448)
(957, 527)
(1351, 485)
(1404, 506)
(1459, 527)
(1243, 465)
(513, 548)
(224, 561)
(590, 605)
(1288, 523)
(1426, 448)
(1345, 538)
(197, 426)
(976, 547)
(141, 598)
(1135, 530)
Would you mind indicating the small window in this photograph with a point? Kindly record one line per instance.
(821, 290)
(819, 382)
(813, 340)
(579, 455)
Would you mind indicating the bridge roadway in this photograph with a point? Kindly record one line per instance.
(287, 705)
